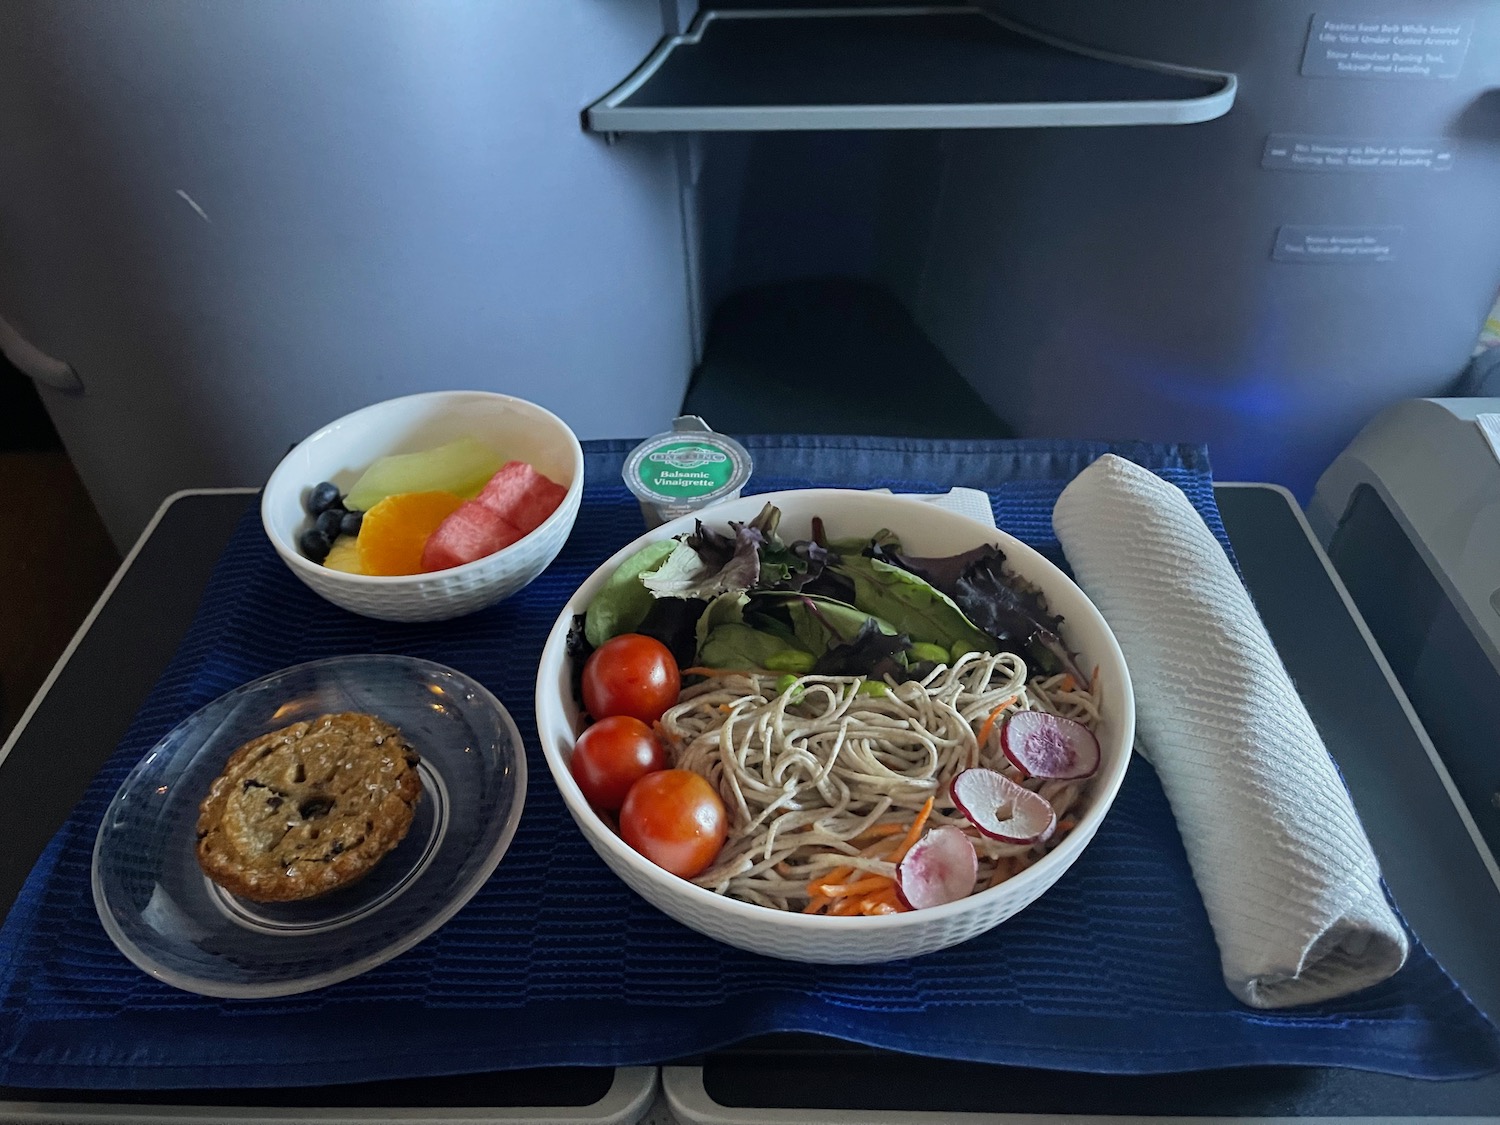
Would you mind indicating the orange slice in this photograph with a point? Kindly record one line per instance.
(395, 530)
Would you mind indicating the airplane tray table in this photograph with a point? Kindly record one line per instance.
(1448, 893)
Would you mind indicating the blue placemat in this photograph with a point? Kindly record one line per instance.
(556, 962)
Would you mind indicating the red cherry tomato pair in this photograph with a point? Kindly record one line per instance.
(628, 683)
(672, 817)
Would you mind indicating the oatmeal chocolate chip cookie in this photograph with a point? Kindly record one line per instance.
(309, 808)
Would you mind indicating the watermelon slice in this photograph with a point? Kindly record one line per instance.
(521, 495)
(470, 532)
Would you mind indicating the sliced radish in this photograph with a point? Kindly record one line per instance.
(941, 867)
(1046, 745)
(1001, 809)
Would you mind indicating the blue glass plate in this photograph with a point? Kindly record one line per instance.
(171, 920)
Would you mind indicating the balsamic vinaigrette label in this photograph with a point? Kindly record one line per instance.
(686, 468)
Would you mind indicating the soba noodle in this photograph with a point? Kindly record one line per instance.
(810, 769)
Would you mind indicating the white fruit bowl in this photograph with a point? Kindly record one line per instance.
(342, 450)
(924, 530)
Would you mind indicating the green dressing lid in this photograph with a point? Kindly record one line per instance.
(686, 469)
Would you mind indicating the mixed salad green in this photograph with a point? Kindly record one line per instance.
(747, 599)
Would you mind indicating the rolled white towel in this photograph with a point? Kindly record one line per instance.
(1291, 885)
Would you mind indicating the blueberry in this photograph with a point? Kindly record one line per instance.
(328, 522)
(314, 544)
(323, 497)
(351, 522)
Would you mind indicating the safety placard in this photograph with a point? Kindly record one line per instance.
(1336, 245)
(1297, 152)
(1393, 48)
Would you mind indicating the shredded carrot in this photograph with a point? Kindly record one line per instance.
(885, 902)
(1067, 683)
(858, 887)
(866, 894)
(989, 724)
(837, 875)
(912, 833)
(875, 834)
(1094, 680)
(1067, 824)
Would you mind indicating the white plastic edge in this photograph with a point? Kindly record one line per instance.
(610, 115)
(691, 1104)
(1329, 507)
(98, 607)
(624, 1103)
(1464, 816)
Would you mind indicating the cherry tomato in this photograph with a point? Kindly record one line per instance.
(611, 756)
(676, 820)
(630, 675)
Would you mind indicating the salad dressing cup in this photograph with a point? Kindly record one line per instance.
(685, 470)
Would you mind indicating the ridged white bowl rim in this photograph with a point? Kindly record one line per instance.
(1031, 564)
(281, 479)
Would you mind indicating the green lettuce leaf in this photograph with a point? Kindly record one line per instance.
(872, 652)
(998, 602)
(911, 605)
(739, 646)
(623, 602)
(686, 573)
(726, 609)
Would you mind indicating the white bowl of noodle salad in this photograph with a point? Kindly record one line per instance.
(829, 774)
